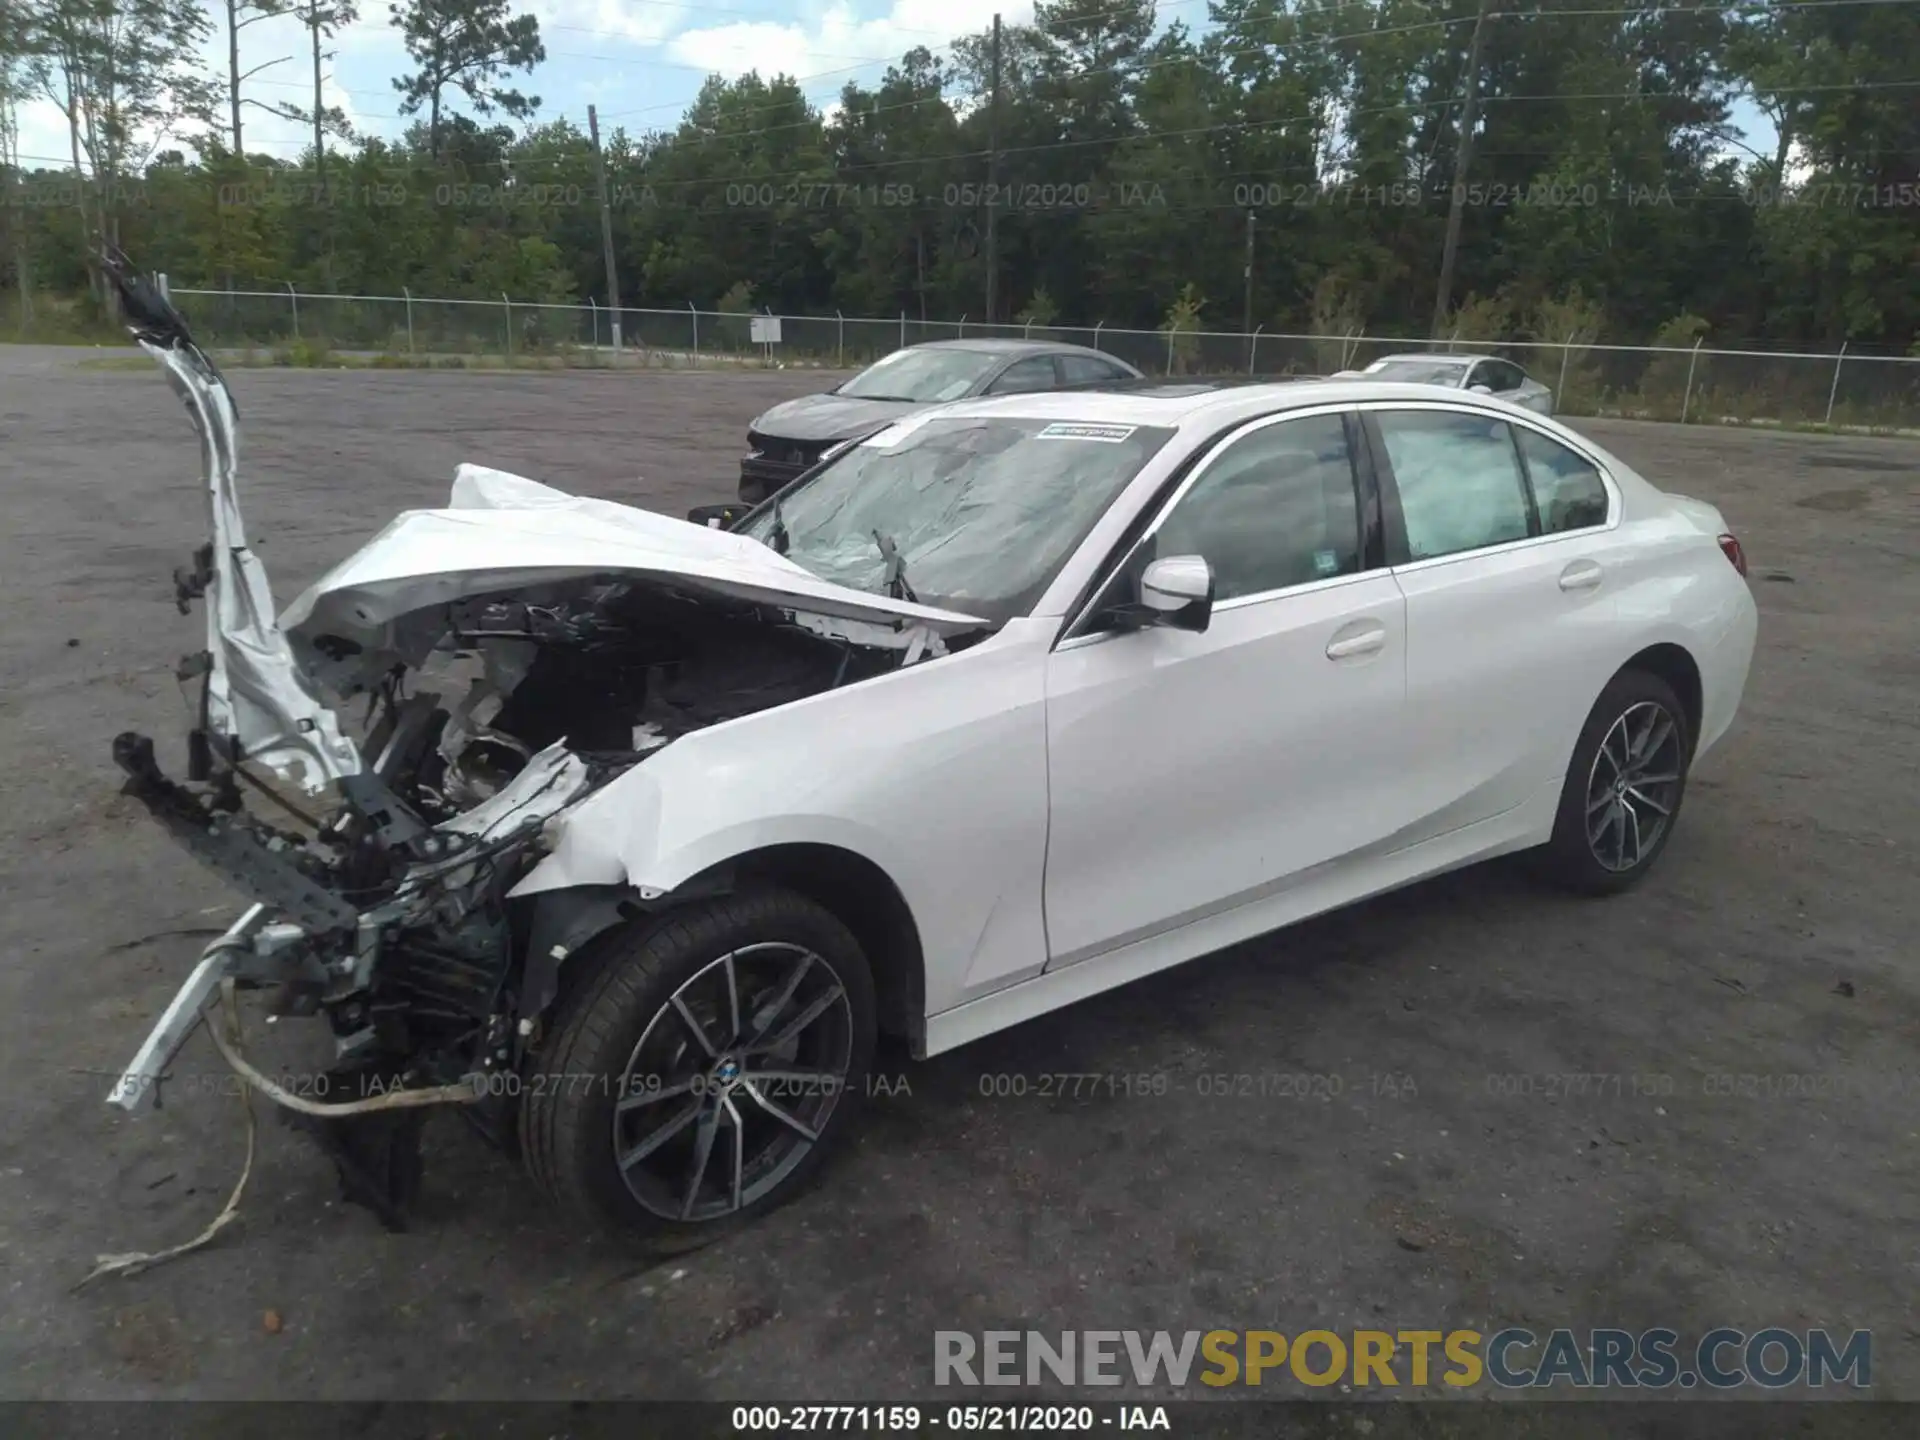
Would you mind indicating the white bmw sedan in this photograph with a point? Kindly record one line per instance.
(1013, 702)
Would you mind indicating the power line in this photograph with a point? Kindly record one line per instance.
(531, 170)
(687, 142)
(1319, 41)
(1245, 126)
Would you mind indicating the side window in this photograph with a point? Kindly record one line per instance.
(1275, 508)
(1459, 480)
(1035, 373)
(1567, 491)
(1507, 377)
(1085, 370)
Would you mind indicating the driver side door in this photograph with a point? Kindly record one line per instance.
(1191, 773)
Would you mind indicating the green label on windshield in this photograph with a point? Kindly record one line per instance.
(1105, 434)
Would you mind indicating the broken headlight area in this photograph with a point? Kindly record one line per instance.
(504, 659)
(398, 883)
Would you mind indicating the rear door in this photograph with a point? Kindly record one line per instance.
(1190, 773)
(1502, 539)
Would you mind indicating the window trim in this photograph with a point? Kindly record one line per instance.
(1049, 359)
(1360, 463)
(1111, 371)
(1390, 485)
(1526, 469)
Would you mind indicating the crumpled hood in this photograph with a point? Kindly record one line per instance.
(504, 532)
(830, 417)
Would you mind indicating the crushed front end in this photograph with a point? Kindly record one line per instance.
(507, 657)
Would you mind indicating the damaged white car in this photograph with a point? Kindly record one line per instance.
(646, 828)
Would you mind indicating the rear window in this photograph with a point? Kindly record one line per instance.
(1417, 372)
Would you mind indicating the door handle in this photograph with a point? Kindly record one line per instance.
(1363, 638)
(1580, 575)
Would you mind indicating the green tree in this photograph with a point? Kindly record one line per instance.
(322, 19)
(470, 46)
(239, 14)
(125, 76)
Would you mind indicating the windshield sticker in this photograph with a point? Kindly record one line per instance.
(1105, 434)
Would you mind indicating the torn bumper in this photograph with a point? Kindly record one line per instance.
(252, 949)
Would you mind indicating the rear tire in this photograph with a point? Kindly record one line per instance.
(702, 1068)
(1621, 798)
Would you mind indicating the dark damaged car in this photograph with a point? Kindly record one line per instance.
(795, 435)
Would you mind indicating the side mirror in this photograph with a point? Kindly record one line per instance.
(716, 517)
(1177, 591)
(1481, 389)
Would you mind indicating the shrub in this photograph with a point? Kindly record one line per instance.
(1336, 321)
(304, 354)
(1573, 321)
(1662, 392)
(1182, 325)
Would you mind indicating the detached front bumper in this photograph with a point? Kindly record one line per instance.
(252, 950)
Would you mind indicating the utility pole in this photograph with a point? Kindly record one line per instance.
(1462, 155)
(233, 72)
(1246, 325)
(993, 175)
(606, 223)
(313, 22)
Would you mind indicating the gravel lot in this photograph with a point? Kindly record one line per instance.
(1775, 941)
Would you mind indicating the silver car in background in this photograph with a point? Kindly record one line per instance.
(1481, 374)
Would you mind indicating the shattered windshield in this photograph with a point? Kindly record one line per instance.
(926, 376)
(1418, 372)
(974, 514)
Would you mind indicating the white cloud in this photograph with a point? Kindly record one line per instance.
(837, 44)
(44, 142)
(585, 25)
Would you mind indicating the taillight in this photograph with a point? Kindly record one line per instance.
(1730, 547)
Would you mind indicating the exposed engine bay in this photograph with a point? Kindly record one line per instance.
(500, 660)
(522, 708)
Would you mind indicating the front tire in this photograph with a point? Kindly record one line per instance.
(702, 1069)
(1623, 789)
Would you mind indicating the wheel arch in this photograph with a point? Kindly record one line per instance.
(868, 901)
(853, 888)
(1676, 666)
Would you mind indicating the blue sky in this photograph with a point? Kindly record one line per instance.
(640, 61)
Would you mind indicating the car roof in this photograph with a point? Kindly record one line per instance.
(1199, 404)
(991, 345)
(1438, 357)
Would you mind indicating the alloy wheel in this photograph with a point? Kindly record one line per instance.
(732, 1082)
(1633, 786)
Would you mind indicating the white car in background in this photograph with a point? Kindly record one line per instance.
(654, 826)
(1476, 374)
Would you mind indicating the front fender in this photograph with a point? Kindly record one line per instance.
(935, 773)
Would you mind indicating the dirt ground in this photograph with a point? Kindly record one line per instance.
(1449, 1183)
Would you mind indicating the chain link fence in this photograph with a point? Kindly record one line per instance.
(1640, 381)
